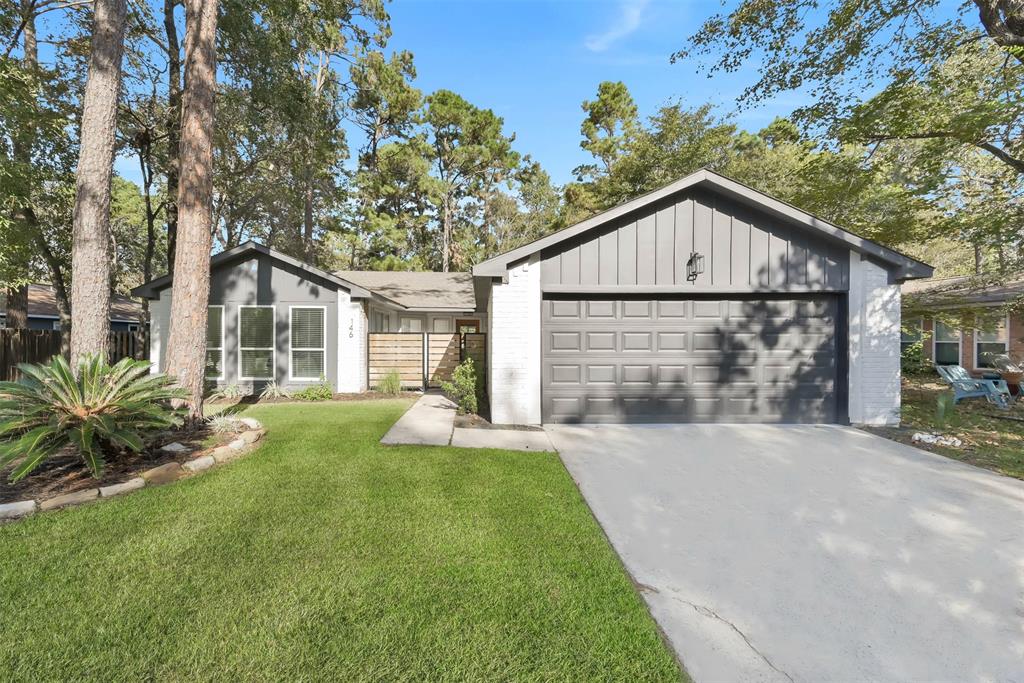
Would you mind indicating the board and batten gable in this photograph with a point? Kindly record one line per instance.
(744, 251)
(261, 280)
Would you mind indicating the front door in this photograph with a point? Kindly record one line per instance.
(467, 326)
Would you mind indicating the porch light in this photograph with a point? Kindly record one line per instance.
(694, 266)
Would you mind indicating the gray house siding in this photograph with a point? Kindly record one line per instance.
(260, 280)
(744, 251)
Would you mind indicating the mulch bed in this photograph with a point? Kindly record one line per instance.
(66, 473)
(365, 396)
(477, 422)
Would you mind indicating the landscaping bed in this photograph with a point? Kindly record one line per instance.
(991, 438)
(363, 396)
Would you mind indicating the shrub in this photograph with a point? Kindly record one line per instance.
(465, 387)
(224, 424)
(391, 383)
(944, 409)
(229, 392)
(321, 391)
(274, 390)
(912, 360)
(105, 407)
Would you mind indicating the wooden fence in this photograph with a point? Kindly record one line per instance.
(39, 346)
(422, 359)
(399, 351)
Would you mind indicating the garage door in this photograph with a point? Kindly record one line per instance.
(690, 360)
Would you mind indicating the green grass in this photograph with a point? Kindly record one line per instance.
(326, 556)
(991, 441)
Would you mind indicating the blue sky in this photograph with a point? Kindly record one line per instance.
(534, 62)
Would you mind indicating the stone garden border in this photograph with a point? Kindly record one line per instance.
(163, 474)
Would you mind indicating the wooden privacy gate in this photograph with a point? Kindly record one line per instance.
(422, 359)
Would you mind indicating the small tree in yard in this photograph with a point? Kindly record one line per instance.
(464, 388)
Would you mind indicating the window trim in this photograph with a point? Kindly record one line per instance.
(273, 348)
(1006, 344)
(449, 323)
(935, 340)
(223, 354)
(323, 349)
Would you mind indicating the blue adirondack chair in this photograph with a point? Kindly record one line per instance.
(964, 386)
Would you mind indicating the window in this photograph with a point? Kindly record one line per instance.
(256, 342)
(411, 324)
(947, 345)
(214, 342)
(442, 325)
(381, 321)
(55, 325)
(989, 343)
(307, 336)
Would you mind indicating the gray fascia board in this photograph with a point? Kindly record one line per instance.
(906, 268)
(149, 289)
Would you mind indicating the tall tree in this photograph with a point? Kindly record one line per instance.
(470, 155)
(190, 293)
(844, 48)
(90, 253)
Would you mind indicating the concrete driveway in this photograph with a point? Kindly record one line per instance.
(802, 553)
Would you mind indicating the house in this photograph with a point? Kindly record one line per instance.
(944, 342)
(274, 318)
(702, 301)
(125, 314)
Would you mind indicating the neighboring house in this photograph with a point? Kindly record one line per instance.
(945, 343)
(704, 301)
(274, 318)
(125, 315)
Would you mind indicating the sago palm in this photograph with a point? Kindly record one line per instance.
(105, 406)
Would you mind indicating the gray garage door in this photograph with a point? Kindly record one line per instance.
(690, 360)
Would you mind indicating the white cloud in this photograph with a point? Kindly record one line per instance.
(630, 17)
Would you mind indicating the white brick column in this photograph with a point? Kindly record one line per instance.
(514, 340)
(351, 344)
(874, 337)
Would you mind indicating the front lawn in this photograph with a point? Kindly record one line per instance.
(993, 439)
(326, 556)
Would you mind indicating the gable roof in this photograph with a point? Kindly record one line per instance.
(151, 289)
(42, 303)
(418, 289)
(904, 266)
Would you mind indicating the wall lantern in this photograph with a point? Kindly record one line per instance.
(694, 266)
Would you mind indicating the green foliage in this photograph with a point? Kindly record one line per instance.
(274, 390)
(321, 391)
(224, 424)
(912, 360)
(228, 392)
(104, 408)
(465, 388)
(391, 383)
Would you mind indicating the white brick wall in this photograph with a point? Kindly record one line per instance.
(514, 341)
(874, 345)
(352, 328)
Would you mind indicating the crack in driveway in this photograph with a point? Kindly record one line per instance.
(708, 612)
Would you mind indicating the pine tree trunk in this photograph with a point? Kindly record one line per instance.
(446, 233)
(90, 249)
(173, 129)
(186, 345)
(17, 308)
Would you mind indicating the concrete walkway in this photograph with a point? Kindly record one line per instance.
(428, 423)
(431, 422)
